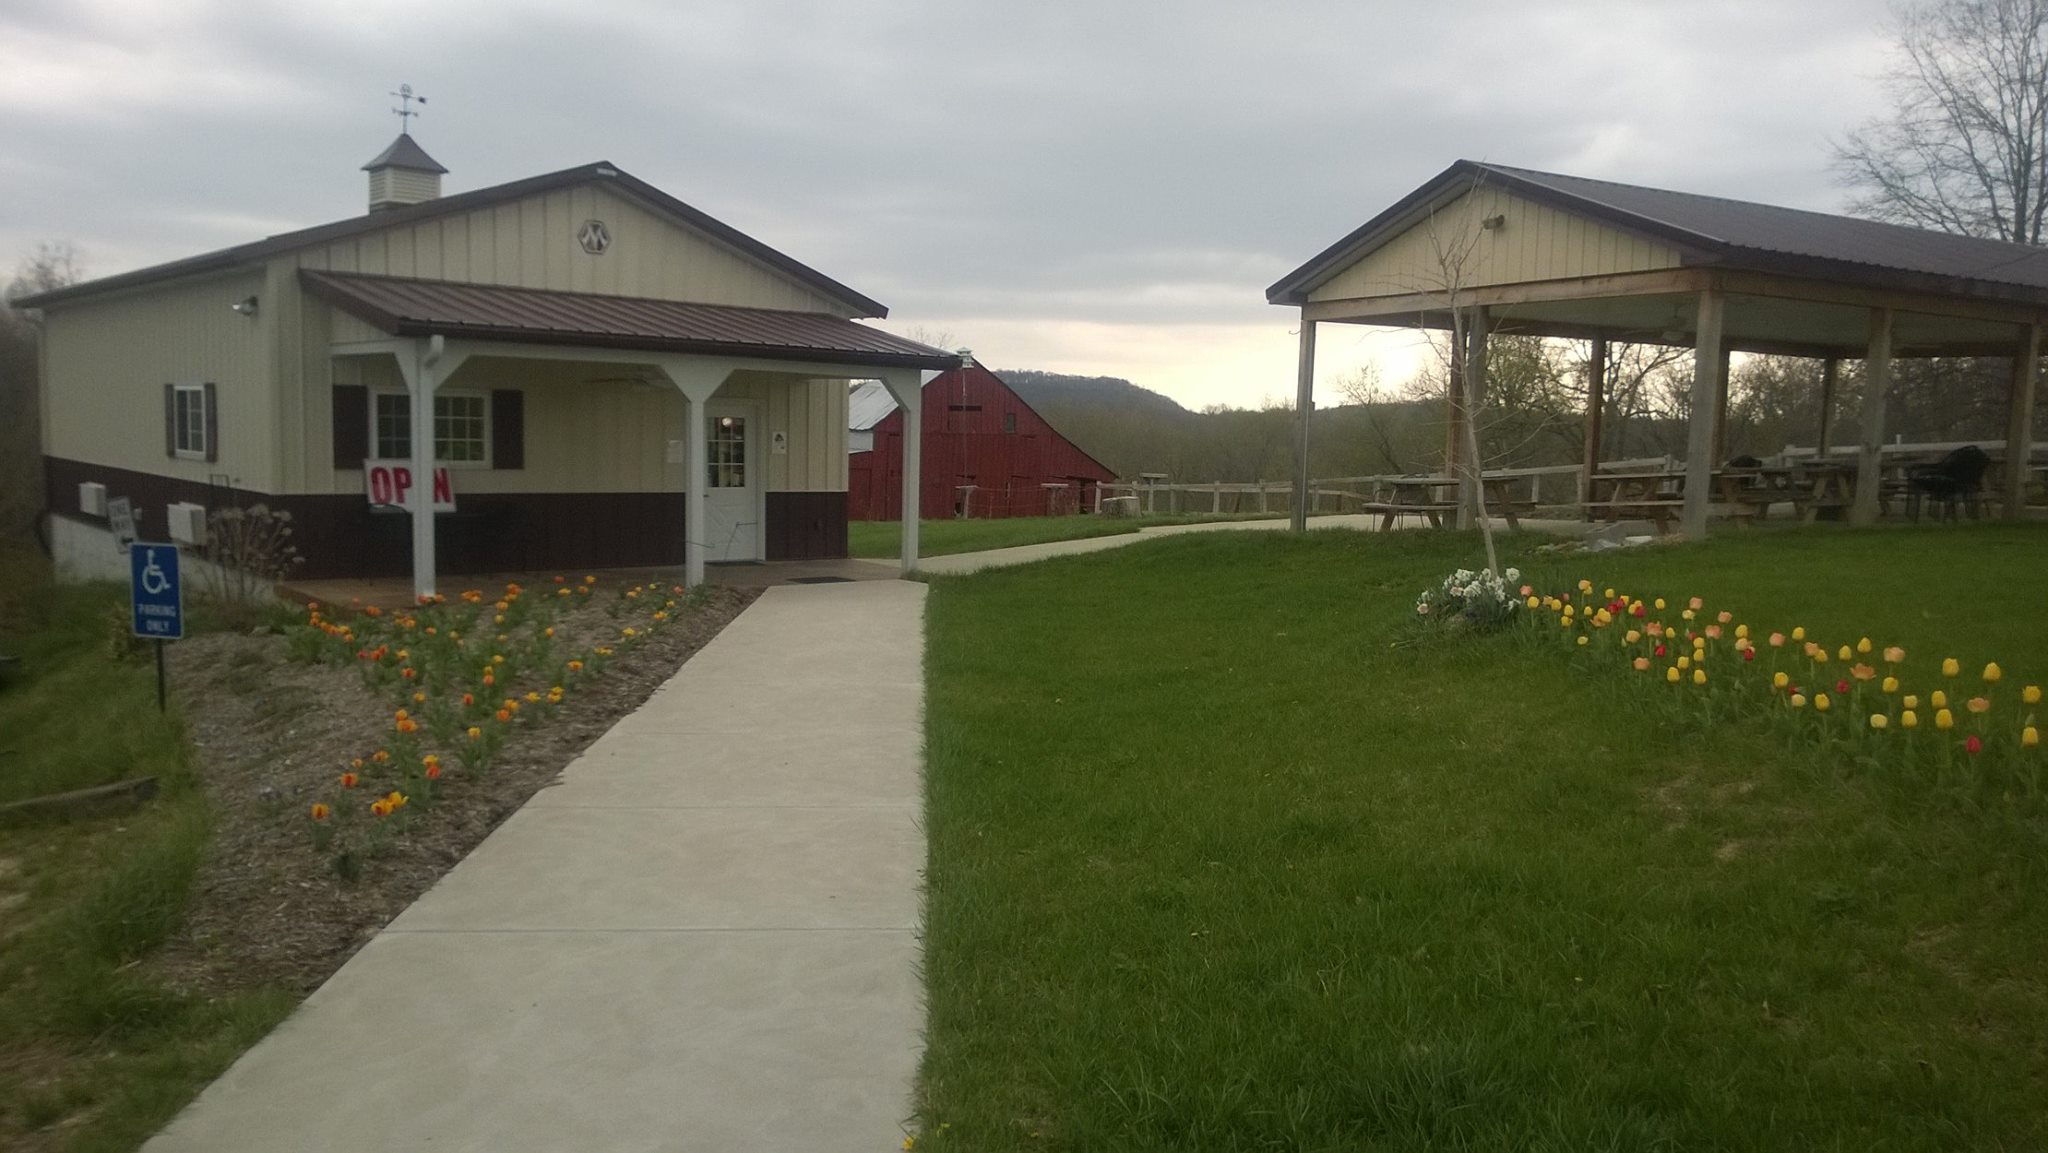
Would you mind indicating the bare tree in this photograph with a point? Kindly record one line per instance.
(1453, 239)
(1965, 148)
(51, 265)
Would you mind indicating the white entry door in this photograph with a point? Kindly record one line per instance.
(733, 482)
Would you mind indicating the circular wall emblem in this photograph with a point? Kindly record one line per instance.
(594, 237)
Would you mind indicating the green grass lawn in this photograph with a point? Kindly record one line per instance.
(1220, 860)
(94, 1054)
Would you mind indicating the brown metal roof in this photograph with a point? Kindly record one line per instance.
(1712, 230)
(405, 307)
(602, 172)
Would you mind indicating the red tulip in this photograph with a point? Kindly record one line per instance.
(1973, 744)
(1841, 686)
(1749, 654)
(1659, 650)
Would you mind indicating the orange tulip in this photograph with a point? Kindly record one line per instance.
(320, 811)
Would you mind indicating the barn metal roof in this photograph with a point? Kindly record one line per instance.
(602, 172)
(1716, 230)
(405, 307)
(867, 405)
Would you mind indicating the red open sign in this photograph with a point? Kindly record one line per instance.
(389, 485)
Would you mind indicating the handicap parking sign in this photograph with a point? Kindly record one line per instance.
(158, 596)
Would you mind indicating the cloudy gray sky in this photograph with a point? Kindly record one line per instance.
(1084, 187)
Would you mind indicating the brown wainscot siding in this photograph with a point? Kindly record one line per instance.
(338, 536)
(806, 525)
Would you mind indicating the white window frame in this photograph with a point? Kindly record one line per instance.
(192, 447)
(482, 396)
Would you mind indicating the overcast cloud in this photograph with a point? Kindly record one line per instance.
(1085, 187)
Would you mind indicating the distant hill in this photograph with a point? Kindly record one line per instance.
(1059, 390)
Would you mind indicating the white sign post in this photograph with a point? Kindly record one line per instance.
(121, 519)
(389, 484)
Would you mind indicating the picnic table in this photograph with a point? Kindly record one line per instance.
(1742, 494)
(1423, 496)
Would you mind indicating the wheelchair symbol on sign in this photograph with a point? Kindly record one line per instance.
(154, 582)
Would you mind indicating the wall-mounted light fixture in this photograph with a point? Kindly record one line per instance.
(246, 306)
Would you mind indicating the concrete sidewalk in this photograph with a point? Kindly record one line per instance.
(703, 938)
(968, 562)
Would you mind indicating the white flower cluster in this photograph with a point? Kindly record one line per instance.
(1480, 597)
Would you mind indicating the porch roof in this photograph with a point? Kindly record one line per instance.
(405, 307)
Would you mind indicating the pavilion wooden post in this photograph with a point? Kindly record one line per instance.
(1830, 378)
(1471, 385)
(1877, 380)
(1721, 414)
(1596, 399)
(2019, 431)
(1707, 360)
(1304, 408)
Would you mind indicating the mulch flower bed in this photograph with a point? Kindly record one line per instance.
(356, 755)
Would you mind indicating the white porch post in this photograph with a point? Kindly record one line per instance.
(908, 389)
(420, 365)
(697, 380)
(1701, 436)
(1877, 379)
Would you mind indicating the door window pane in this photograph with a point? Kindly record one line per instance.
(726, 452)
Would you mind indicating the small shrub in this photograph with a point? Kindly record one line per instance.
(1480, 599)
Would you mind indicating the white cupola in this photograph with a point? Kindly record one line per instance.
(403, 174)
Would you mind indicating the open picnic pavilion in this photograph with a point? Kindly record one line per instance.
(1518, 251)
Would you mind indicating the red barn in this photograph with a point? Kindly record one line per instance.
(986, 454)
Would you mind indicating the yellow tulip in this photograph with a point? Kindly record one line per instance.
(1944, 720)
(2031, 694)
(1821, 702)
(1798, 701)
(1911, 701)
(1742, 631)
(1533, 602)
(1950, 667)
(1909, 719)
(1938, 699)
(2029, 737)
(1609, 594)
(1780, 680)
(1671, 675)
(1844, 654)
(1632, 636)
(1699, 676)
(1799, 634)
(1584, 638)
(1879, 720)
(1685, 662)
(1660, 604)
(1890, 685)
(1992, 673)
(1687, 614)
(1585, 586)
(1863, 645)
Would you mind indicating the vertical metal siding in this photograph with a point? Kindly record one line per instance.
(107, 361)
(1536, 243)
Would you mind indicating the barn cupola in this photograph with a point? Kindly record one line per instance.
(403, 174)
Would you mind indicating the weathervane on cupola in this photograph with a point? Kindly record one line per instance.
(405, 111)
(403, 173)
